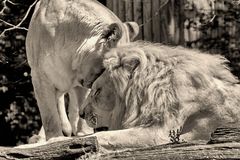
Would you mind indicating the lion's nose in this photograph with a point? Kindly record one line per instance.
(81, 81)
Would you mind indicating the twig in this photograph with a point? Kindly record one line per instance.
(18, 26)
(12, 28)
(26, 15)
(12, 3)
(5, 5)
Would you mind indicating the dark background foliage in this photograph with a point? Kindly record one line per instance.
(221, 35)
(19, 115)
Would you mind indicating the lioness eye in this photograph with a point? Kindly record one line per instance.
(97, 92)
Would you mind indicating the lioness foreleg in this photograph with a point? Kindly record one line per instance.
(66, 126)
(39, 138)
(46, 96)
(76, 97)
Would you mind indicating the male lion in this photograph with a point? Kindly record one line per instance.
(65, 45)
(150, 89)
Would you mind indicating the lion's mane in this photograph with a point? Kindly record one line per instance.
(166, 79)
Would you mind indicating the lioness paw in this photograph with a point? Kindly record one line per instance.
(36, 139)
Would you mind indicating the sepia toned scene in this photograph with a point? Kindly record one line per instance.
(119, 79)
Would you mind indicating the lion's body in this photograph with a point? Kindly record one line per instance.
(63, 55)
(155, 88)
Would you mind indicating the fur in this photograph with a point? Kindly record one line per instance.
(167, 71)
(65, 45)
(159, 88)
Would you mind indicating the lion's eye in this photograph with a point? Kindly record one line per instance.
(97, 92)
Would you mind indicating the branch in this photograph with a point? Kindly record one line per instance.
(18, 26)
(12, 27)
(27, 13)
(187, 151)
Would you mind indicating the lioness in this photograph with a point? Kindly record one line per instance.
(149, 89)
(65, 45)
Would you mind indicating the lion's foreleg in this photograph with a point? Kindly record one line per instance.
(132, 138)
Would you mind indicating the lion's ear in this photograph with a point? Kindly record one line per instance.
(130, 64)
(110, 37)
(132, 29)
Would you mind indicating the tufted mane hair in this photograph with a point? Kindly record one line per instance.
(147, 77)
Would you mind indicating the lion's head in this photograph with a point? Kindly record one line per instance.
(123, 96)
(101, 102)
(146, 84)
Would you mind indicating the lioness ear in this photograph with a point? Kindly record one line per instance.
(110, 37)
(133, 29)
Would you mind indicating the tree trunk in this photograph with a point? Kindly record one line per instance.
(68, 149)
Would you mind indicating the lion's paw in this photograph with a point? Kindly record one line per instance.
(85, 130)
(84, 133)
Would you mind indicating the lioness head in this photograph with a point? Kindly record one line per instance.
(89, 63)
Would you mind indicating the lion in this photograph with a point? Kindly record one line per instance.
(148, 90)
(65, 45)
